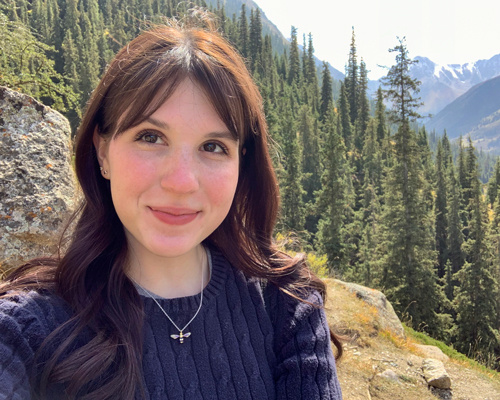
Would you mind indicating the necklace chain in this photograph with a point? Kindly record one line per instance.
(181, 336)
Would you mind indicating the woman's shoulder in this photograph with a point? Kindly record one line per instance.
(26, 319)
(32, 313)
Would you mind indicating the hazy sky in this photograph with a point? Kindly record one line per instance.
(445, 31)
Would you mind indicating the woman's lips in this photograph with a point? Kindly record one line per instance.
(174, 216)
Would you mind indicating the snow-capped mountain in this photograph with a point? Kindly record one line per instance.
(441, 84)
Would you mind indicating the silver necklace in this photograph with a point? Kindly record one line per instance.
(181, 336)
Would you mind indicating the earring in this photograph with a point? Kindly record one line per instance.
(104, 172)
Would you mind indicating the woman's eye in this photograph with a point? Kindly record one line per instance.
(150, 137)
(214, 148)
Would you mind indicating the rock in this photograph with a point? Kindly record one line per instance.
(432, 352)
(387, 318)
(389, 374)
(435, 374)
(37, 185)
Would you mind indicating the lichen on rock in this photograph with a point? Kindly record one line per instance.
(37, 184)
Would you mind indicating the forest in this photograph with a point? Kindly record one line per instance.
(366, 191)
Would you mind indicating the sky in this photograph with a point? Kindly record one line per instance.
(445, 31)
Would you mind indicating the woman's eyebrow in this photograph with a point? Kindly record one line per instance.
(159, 124)
(213, 135)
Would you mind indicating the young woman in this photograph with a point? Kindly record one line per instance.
(171, 287)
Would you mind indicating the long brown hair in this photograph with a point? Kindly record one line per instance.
(90, 275)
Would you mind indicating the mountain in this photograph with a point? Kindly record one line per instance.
(475, 113)
(279, 41)
(443, 84)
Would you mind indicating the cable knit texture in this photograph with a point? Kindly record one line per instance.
(249, 341)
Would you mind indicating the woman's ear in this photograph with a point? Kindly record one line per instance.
(101, 149)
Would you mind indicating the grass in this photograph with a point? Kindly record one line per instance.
(450, 352)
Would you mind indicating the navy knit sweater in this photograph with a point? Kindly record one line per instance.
(246, 343)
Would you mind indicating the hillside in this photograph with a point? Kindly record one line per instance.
(373, 351)
(476, 113)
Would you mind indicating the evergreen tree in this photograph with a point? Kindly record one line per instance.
(407, 236)
(441, 212)
(380, 117)
(311, 168)
(310, 153)
(243, 45)
(311, 76)
(332, 198)
(326, 92)
(345, 119)
(367, 255)
(25, 66)
(455, 237)
(363, 113)
(294, 65)
(352, 81)
(255, 44)
(89, 54)
(476, 301)
(493, 184)
(292, 192)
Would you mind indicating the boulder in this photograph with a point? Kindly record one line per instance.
(435, 374)
(432, 352)
(387, 318)
(37, 184)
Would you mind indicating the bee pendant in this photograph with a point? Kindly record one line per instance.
(181, 336)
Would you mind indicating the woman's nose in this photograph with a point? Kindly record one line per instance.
(180, 173)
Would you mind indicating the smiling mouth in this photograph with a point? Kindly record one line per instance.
(174, 216)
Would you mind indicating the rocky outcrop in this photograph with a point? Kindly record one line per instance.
(435, 374)
(387, 318)
(37, 188)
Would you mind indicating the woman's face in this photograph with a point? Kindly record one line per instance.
(173, 177)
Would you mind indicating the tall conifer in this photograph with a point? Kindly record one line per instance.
(352, 80)
(407, 241)
(476, 301)
(333, 195)
(326, 92)
(294, 64)
(243, 37)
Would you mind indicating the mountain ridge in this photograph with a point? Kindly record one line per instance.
(442, 84)
(475, 113)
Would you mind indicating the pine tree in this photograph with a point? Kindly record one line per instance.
(407, 236)
(310, 151)
(476, 301)
(255, 44)
(494, 183)
(441, 212)
(294, 65)
(25, 66)
(311, 76)
(495, 240)
(352, 81)
(332, 197)
(367, 255)
(455, 237)
(89, 58)
(363, 113)
(345, 119)
(243, 45)
(326, 92)
(311, 168)
(292, 217)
